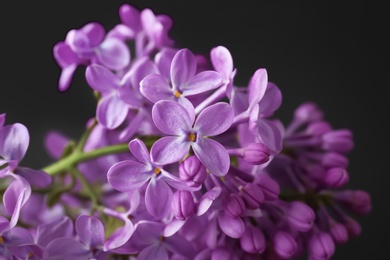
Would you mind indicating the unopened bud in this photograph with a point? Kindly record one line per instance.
(300, 216)
(253, 240)
(256, 153)
(338, 141)
(308, 112)
(339, 233)
(183, 205)
(284, 244)
(336, 177)
(235, 206)
(252, 195)
(321, 246)
(192, 170)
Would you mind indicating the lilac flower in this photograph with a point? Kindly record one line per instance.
(183, 80)
(173, 119)
(117, 94)
(131, 175)
(88, 45)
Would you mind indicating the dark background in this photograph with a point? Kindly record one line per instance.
(336, 55)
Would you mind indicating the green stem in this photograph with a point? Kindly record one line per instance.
(87, 187)
(84, 137)
(79, 156)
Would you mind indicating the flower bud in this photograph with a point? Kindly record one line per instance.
(235, 206)
(252, 195)
(339, 233)
(183, 205)
(300, 216)
(336, 177)
(334, 160)
(269, 187)
(353, 227)
(318, 128)
(358, 201)
(308, 112)
(321, 246)
(193, 171)
(338, 141)
(253, 240)
(256, 153)
(284, 244)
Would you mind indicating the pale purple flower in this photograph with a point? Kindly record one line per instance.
(89, 45)
(132, 175)
(183, 81)
(185, 132)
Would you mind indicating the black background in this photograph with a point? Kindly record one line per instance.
(336, 55)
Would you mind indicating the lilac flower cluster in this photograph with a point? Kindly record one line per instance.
(179, 162)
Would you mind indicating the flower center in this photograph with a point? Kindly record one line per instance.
(157, 171)
(192, 137)
(177, 94)
(1, 240)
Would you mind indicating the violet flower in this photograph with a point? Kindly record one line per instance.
(183, 81)
(175, 120)
(132, 175)
(89, 45)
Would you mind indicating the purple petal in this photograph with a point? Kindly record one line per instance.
(222, 61)
(207, 199)
(163, 61)
(64, 55)
(257, 86)
(101, 79)
(214, 119)
(66, 248)
(233, 227)
(183, 68)
(113, 54)
(15, 196)
(128, 175)
(173, 227)
(121, 32)
(171, 117)
(55, 144)
(130, 16)
(120, 236)
(270, 134)
(56, 228)
(111, 111)
(177, 183)
(140, 68)
(36, 178)
(169, 149)
(212, 155)
(66, 77)
(154, 87)
(146, 233)
(154, 251)
(140, 151)
(90, 231)
(18, 236)
(158, 198)
(202, 82)
(271, 101)
(14, 141)
(94, 32)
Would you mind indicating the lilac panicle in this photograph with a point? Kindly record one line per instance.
(185, 132)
